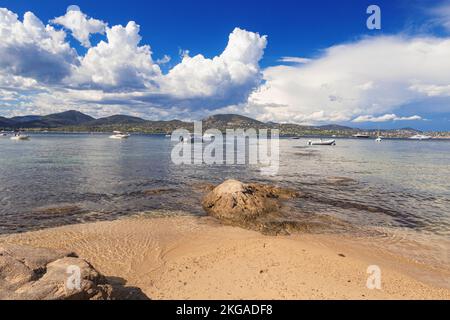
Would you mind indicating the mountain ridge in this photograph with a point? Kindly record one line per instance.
(75, 121)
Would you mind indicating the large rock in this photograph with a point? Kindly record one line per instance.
(251, 206)
(41, 274)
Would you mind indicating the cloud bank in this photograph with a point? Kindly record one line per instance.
(373, 76)
(385, 118)
(374, 79)
(118, 72)
(29, 49)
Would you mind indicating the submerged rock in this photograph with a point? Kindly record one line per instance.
(41, 274)
(69, 210)
(251, 206)
(156, 192)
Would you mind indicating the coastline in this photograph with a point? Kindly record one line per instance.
(282, 135)
(185, 257)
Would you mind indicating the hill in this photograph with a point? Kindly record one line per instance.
(26, 119)
(6, 123)
(56, 120)
(231, 121)
(117, 119)
(335, 127)
(75, 121)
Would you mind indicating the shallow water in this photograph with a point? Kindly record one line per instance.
(397, 191)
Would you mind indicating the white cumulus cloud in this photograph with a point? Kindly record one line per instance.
(120, 62)
(39, 68)
(80, 25)
(223, 80)
(385, 118)
(375, 75)
(298, 60)
(30, 49)
(164, 60)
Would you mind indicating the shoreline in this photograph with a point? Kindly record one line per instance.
(186, 257)
(283, 136)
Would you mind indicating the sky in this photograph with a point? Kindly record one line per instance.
(306, 62)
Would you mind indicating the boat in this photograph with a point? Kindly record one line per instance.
(379, 137)
(120, 135)
(361, 136)
(322, 143)
(187, 140)
(420, 137)
(207, 137)
(20, 137)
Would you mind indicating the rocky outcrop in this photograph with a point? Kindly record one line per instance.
(251, 206)
(41, 274)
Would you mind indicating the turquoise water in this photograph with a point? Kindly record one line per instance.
(396, 187)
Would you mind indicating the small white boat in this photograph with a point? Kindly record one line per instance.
(120, 135)
(20, 137)
(421, 137)
(208, 137)
(322, 143)
(379, 137)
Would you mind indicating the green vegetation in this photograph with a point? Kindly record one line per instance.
(74, 121)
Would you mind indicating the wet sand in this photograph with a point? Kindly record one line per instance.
(185, 257)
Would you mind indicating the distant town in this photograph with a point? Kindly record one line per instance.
(74, 121)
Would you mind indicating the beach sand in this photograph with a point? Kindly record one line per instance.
(185, 257)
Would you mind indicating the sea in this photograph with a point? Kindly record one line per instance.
(397, 193)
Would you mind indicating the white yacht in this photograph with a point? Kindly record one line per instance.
(20, 137)
(322, 143)
(421, 137)
(120, 135)
(208, 136)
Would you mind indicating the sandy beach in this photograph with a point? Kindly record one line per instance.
(185, 257)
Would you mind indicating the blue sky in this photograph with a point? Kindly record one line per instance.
(294, 27)
(306, 29)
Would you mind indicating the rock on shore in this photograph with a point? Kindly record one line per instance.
(251, 206)
(41, 274)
